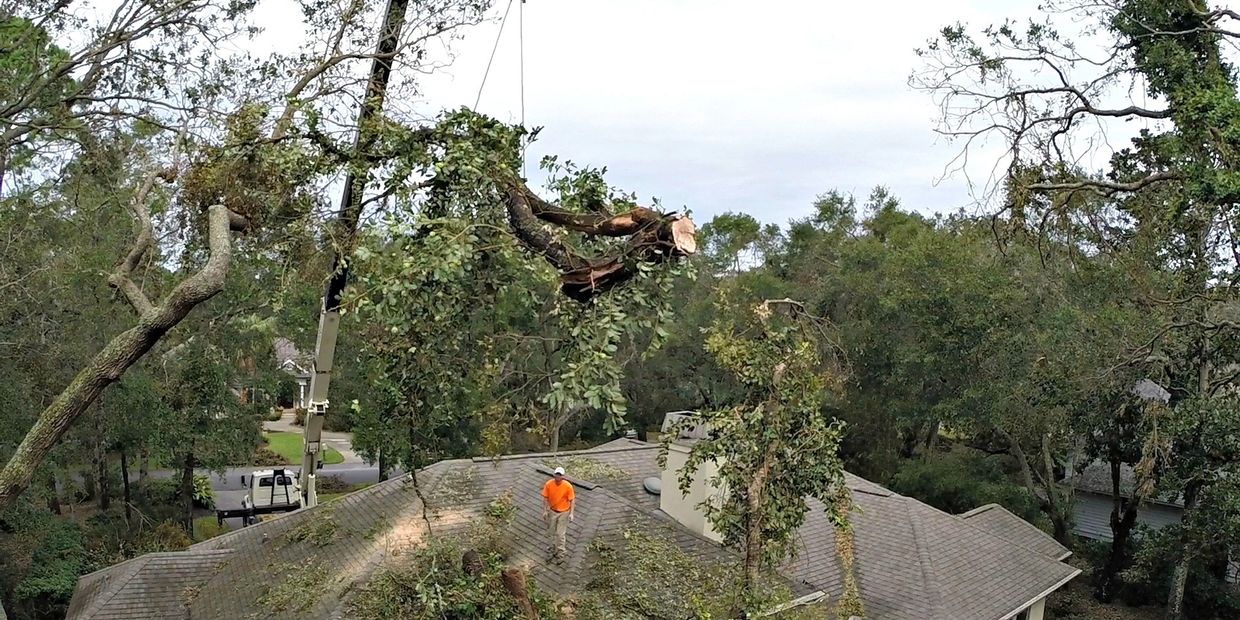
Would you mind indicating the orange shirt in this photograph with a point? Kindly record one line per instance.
(560, 495)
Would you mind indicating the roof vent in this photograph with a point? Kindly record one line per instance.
(653, 484)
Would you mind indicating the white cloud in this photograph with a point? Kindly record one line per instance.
(725, 105)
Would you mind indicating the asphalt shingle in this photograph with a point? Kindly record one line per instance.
(912, 561)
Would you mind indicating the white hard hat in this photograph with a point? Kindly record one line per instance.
(559, 471)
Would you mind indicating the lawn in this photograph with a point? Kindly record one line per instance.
(289, 446)
(207, 527)
(327, 497)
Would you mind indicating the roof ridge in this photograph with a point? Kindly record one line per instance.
(212, 544)
(979, 510)
(535, 455)
(113, 589)
(1035, 556)
(964, 518)
(929, 576)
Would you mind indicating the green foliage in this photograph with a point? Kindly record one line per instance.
(319, 529)
(962, 480)
(777, 447)
(55, 566)
(642, 574)
(292, 588)
(586, 468)
(167, 491)
(1148, 580)
(502, 509)
(433, 586)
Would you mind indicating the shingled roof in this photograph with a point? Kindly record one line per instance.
(913, 561)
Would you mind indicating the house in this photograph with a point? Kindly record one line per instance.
(297, 364)
(912, 561)
(1094, 501)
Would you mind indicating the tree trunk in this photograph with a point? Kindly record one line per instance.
(553, 437)
(1059, 506)
(1188, 552)
(1123, 519)
(1026, 471)
(753, 530)
(932, 437)
(144, 462)
(101, 471)
(90, 484)
(187, 493)
(118, 355)
(125, 483)
(53, 495)
(383, 465)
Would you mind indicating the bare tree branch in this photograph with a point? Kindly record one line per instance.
(1106, 188)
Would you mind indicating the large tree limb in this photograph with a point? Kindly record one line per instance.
(118, 355)
(121, 278)
(1106, 187)
(653, 237)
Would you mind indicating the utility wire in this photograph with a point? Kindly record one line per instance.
(521, 44)
(496, 47)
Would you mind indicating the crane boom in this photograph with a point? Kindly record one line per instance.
(346, 221)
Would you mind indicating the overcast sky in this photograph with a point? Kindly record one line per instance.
(721, 105)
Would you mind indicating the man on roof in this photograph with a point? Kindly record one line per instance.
(558, 502)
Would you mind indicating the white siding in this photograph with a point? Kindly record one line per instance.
(1093, 515)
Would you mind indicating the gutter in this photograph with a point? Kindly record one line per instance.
(1044, 594)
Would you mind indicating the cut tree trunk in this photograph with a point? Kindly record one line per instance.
(125, 484)
(652, 237)
(119, 354)
(514, 583)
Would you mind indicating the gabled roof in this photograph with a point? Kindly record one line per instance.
(289, 359)
(155, 585)
(913, 561)
(1002, 523)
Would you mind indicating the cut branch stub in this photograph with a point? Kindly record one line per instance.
(654, 237)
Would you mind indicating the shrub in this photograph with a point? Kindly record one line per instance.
(266, 457)
(1148, 581)
(961, 480)
(55, 566)
(204, 493)
(167, 536)
(167, 491)
(332, 484)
